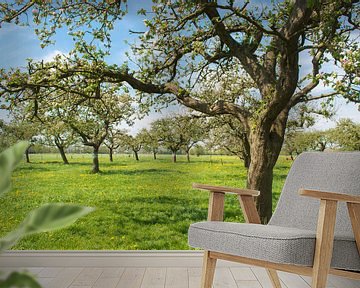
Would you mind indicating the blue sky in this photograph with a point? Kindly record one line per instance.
(19, 43)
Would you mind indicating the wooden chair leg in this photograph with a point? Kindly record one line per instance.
(324, 243)
(208, 271)
(274, 278)
(354, 212)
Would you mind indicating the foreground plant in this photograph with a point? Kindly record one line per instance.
(45, 218)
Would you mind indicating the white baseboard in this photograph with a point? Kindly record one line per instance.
(105, 258)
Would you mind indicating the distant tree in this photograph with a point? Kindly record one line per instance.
(133, 143)
(347, 135)
(18, 129)
(151, 141)
(170, 134)
(91, 120)
(297, 142)
(5, 141)
(113, 140)
(59, 134)
(199, 150)
(193, 130)
(226, 133)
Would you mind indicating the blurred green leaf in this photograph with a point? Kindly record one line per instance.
(53, 216)
(10, 239)
(9, 159)
(21, 280)
(46, 218)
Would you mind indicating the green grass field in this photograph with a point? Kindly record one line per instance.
(139, 205)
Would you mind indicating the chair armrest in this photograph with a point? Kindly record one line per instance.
(217, 197)
(323, 195)
(224, 189)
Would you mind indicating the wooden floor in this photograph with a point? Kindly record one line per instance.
(153, 271)
(170, 277)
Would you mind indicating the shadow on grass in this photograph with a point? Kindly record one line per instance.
(139, 171)
(163, 210)
(33, 167)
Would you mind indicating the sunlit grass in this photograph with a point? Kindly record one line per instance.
(139, 205)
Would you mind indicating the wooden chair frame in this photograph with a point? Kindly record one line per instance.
(324, 235)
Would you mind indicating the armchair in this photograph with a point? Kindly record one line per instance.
(312, 232)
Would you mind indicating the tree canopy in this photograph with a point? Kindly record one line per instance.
(194, 46)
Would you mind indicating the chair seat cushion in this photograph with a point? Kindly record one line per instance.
(270, 243)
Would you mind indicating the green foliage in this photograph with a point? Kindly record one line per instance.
(228, 134)
(46, 218)
(146, 204)
(9, 159)
(258, 48)
(346, 135)
(20, 280)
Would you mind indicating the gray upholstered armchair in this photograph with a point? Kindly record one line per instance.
(312, 232)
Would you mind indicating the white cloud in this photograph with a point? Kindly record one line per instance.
(50, 56)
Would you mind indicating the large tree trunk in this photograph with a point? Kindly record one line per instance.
(246, 153)
(63, 155)
(154, 154)
(265, 150)
(95, 168)
(57, 141)
(111, 154)
(27, 151)
(247, 160)
(260, 178)
(136, 155)
(188, 155)
(174, 156)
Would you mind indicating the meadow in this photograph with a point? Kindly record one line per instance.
(146, 204)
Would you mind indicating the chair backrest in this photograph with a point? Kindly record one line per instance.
(326, 171)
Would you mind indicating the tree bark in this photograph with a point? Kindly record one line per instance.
(174, 156)
(261, 179)
(111, 154)
(246, 153)
(57, 141)
(63, 155)
(188, 156)
(246, 159)
(154, 154)
(136, 155)
(27, 155)
(265, 150)
(95, 168)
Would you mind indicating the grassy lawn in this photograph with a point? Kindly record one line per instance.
(139, 205)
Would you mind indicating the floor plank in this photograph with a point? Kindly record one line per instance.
(248, 284)
(224, 278)
(131, 278)
(243, 274)
(154, 278)
(50, 272)
(65, 277)
(340, 282)
(194, 277)
(177, 278)
(87, 277)
(293, 280)
(106, 282)
(308, 280)
(263, 278)
(112, 272)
